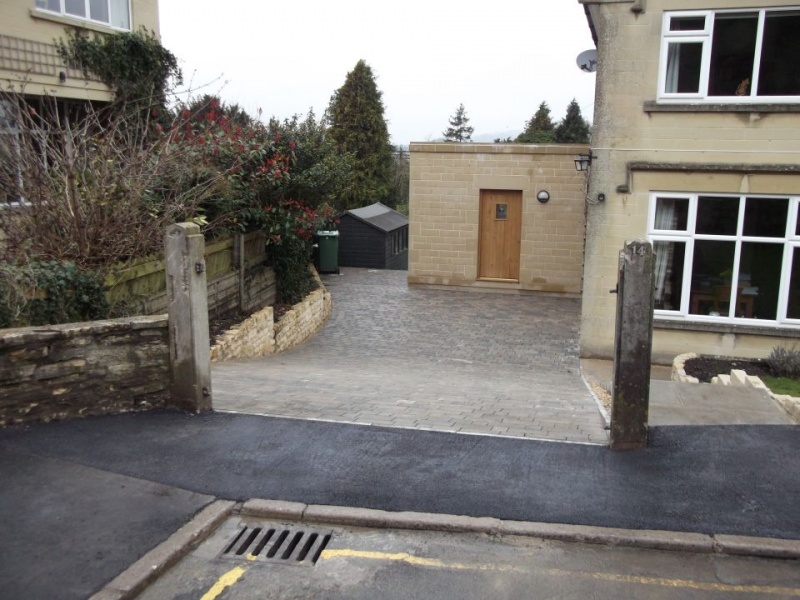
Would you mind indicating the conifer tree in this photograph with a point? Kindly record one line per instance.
(358, 127)
(459, 130)
(573, 129)
(540, 129)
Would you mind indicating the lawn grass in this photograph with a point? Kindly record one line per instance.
(782, 385)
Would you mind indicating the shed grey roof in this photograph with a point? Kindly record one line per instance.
(380, 216)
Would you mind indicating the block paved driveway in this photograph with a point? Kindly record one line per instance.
(445, 360)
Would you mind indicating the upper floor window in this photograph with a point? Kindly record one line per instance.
(115, 13)
(730, 56)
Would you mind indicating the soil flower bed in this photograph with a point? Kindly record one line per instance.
(705, 368)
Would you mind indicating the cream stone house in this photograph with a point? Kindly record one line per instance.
(29, 62)
(696, 148)
(29, 27)
(499, 216)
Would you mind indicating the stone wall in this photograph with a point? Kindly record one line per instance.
(303, 320)
(255, 336)
(81, 369)
(259, 335)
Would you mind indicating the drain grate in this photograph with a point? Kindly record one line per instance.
(272, 544)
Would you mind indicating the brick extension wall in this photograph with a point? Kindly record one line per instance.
(81, 369)
(446, 181)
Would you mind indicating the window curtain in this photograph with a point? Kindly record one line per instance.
(119, 14)
(665, 220)
(673, 67)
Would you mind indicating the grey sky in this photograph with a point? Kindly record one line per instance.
(500, 59)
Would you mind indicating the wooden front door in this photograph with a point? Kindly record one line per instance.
(500, 234)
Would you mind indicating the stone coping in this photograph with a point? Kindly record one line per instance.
(736, 378)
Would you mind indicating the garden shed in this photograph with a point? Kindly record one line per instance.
(373, 237)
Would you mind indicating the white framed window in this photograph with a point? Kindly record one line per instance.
(730, 56)
(726, 258)
(115, 13)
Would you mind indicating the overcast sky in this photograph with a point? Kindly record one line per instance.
(501, 59)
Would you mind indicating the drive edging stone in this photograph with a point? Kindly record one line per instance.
(635, 538)
(760, 546)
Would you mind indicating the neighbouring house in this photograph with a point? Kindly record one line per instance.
(502, 216)
(373, 237)
(696, 147)
(30, 64)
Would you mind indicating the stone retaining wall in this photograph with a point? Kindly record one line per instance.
(81, 369)
(303, 320)
(259, 335)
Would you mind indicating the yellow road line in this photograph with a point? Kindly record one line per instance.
(687, 583)
(416, 560)
(651, 581)
(226, 581)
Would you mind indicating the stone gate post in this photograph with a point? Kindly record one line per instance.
(187, 294)
(633, 346)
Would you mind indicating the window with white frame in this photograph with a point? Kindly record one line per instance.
(115, 13)
(729, 258)
(731, 56)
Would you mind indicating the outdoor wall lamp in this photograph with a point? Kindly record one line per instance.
(584, 161)
(543, 196)
(62, 76)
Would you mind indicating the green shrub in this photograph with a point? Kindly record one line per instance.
(15, 286)
(291, 261)
(784, 362)
(48, 293)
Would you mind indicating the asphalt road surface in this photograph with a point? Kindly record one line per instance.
(366, 564)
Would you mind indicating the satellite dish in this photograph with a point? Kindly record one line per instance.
(587, 61)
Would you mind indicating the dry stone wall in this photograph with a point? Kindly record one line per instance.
(82, 369)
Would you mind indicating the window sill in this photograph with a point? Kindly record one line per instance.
(730, 107)
(74, 22)
(764, 330)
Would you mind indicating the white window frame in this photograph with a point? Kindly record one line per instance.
(790, 241)
(705, 37)
(62, 12)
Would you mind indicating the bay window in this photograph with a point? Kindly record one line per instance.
(726, 258)
(115, 13)
(730, 56)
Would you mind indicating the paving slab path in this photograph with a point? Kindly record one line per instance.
(432, 359)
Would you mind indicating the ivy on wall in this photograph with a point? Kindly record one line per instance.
(133, 64)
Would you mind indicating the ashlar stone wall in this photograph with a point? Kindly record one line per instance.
(444, 213)
(81, 369)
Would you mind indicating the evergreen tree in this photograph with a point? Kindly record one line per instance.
(459, 130)
(358, 127)
(573, 129)
(540, 129)
(400, 178)
(321, 174)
